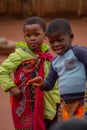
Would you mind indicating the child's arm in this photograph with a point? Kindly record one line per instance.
(46, 84)
(7, 67)
(81, 53)
(37, 81)
(16, 92)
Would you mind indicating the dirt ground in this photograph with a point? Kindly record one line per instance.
(12, 30)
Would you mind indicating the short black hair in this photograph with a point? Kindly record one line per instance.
(35, 20)
(59, 25)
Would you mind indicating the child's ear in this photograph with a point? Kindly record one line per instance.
(24, 35)
(71, 35)
(45, 37)
(46, 34)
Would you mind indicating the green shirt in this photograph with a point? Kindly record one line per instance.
(23, 52)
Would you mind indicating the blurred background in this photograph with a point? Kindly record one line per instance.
(12, 16)
(43, 8)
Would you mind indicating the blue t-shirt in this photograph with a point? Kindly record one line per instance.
(70, 70)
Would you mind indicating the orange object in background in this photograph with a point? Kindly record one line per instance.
(66, 116)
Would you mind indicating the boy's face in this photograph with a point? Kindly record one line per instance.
(34, 36)
(59, 42)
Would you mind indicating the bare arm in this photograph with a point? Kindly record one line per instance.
(46, 84)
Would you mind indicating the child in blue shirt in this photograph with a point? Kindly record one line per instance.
(69, 67)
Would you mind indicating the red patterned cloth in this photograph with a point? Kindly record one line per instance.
(28, 112)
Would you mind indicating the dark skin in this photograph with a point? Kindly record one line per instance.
(34, 37)
(59, 43)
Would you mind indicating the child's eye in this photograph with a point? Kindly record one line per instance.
(36, 34)
(51, 42)
(60, 40)
(27, 35)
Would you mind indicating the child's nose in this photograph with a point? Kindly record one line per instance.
(32, 37)
(56, 43)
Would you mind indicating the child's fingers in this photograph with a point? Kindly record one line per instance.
(35, 81)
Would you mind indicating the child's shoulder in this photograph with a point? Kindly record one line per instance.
(21, 44)
(78, 48)
(54, 58)
(45, 47)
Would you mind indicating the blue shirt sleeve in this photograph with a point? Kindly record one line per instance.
(81, 53)
(51, 79)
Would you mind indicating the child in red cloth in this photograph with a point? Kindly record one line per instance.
(30, 106)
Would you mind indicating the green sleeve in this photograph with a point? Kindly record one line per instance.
(9, 66)
(51, 98)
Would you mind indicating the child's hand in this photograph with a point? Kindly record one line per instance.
(16, 92)
(37, 81)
